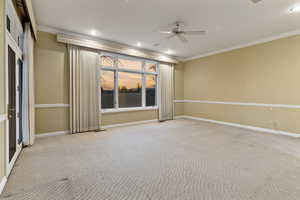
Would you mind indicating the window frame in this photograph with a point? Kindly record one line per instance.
(143, 73)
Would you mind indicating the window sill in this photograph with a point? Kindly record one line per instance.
(104, 111)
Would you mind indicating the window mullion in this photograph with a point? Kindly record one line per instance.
(143, 85)
(116, 83)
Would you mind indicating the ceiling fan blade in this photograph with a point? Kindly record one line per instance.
(165, 32)
(181, 38)
(194, 32)
(256, 1)
(169, 37)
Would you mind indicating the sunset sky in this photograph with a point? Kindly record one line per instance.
(128, 80)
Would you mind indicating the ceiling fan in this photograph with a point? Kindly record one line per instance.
(179, 33)
(256, 1)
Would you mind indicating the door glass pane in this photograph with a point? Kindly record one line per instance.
(150, 90)
(150, 67)
(106, 61)
(129, 64)
(107, 89)
(12, 100)
(130, 90)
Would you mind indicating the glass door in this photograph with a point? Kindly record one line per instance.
(14, 94)
(12, 109)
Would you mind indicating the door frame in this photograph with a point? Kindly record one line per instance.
(14, 46)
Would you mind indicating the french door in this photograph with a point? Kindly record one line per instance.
(14, 96)
(12, 107)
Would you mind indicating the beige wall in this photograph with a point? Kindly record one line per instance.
(2, 150)
(2, 90)
(51, 87)
(51, 83)
(52, 120)
(266, 73)
(51, 71)
(125, 117)
(179, 88)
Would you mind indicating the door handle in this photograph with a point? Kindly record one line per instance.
(11, 112)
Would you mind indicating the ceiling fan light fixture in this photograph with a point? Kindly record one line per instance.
(294, 9)
(93, 32)
(256, 1)
(169, 51)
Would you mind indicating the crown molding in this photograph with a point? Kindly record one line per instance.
(31, 15)
(48, 29)
(260, 41)
(256, 42)
(84, 40)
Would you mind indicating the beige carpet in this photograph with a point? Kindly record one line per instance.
(176, 160)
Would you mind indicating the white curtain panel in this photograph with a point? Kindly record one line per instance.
(166, 83)
(84, 90)
(28, 103)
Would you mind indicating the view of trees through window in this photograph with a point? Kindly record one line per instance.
(129, 83)
(150, 90)
(130, 90)
(107, 89)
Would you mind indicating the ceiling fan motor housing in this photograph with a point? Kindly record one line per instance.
(256, 1)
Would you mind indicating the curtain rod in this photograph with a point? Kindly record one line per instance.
(114, 48)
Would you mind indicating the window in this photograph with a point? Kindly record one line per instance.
(150, 90)
(127, 82)
(107, 61)
(129, 64)
(150, 67)
(107, 89)
(130, 90)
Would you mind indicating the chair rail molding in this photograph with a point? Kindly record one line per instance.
(52, 105)
(239, 103)
(3, 117)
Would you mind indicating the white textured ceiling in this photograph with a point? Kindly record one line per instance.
(227, 22)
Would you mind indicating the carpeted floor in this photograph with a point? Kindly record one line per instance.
(175, 160)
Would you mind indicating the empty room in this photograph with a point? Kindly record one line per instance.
(149, 100)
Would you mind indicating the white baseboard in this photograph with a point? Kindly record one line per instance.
(129, 123)
(56, 133)
(2, 184)
(254, 128)
(180, 117)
